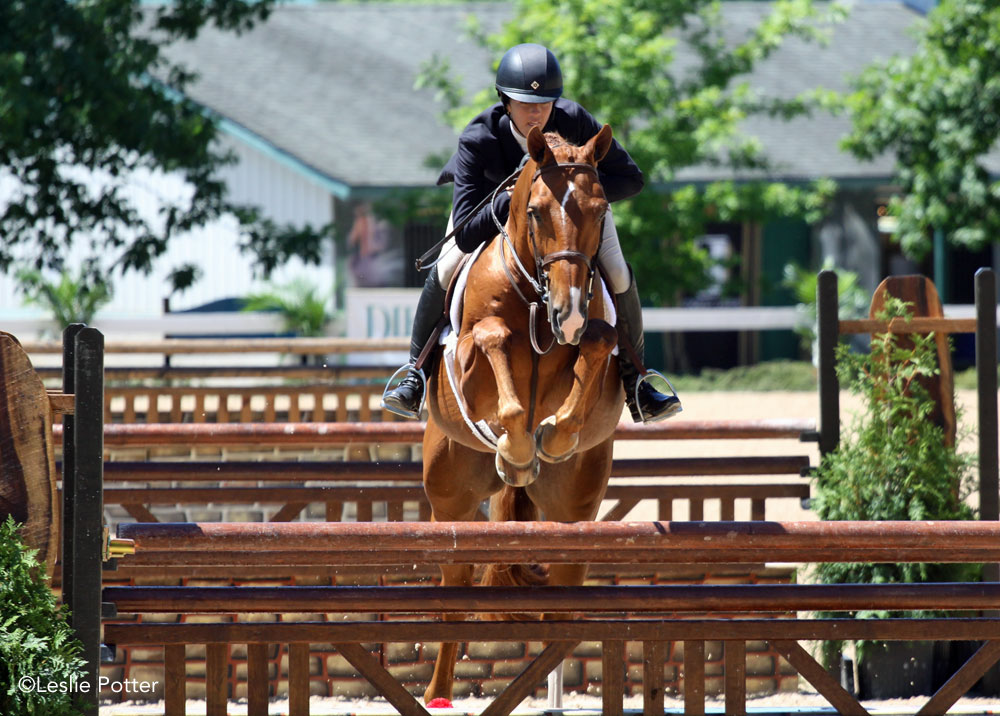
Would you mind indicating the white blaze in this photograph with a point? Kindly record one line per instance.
(573, 323)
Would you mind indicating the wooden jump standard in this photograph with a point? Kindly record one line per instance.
(735, 613)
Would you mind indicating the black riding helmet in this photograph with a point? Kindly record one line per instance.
(529, 73)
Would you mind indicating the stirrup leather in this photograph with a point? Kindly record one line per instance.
(423, 395)
(638, 405)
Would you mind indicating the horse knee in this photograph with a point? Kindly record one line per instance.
(601, 335)
(491, 334)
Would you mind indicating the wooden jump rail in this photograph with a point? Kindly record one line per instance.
(295, 498)
(359, 471)
(179, 347)
(692, 614)
(320, 434)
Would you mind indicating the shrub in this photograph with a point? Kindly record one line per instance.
(894, 464)
(36, 642)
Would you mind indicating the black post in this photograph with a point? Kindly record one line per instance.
(828, 334)
(68, 463)
(88, 509)
(986, 387)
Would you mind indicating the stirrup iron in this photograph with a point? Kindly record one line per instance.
(650, 372)
(423, 395)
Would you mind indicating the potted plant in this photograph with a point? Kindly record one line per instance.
(893, 464)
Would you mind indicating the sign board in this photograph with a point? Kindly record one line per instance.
(380, 313)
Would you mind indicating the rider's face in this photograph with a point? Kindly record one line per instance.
(526, 115)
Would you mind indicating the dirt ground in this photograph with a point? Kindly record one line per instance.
(697, 406)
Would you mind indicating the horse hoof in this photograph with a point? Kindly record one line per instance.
(521, 475)
(544, 429)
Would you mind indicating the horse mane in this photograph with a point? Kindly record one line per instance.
(554, 139)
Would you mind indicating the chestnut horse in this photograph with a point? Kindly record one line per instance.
(549, 391)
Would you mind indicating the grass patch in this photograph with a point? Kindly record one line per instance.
(770, 375)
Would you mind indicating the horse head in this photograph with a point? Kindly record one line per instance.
(562, 204)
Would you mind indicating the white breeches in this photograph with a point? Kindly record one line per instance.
(610, 257)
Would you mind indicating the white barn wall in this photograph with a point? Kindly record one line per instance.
(284, 195)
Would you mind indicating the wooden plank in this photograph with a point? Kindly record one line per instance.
(364, 511)
(258, 691)
(140, 512)
(153, 409)
(654, 655)
(613, 678)
(384, 682)
(916, 324)
(246, 413)
(758, 508)
(696, 510)
(727, 509)
(289, 512)
(962, 680)
(525, 683)
(334, 511)
(619, 510)
(662, 598)
(956, 629)
(61, 403)
(394, 510)
(216, 679)
(925, 307)
(174, 680)
(198, 414)
(28, 484)
(694, 677)
(176, 415)
(736, 683)
(811, 671)
(298, 680)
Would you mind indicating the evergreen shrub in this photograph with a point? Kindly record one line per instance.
(37, 645)
(893, 464)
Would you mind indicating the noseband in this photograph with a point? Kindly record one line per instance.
(540, 281)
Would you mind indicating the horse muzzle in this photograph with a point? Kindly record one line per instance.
(568, 325)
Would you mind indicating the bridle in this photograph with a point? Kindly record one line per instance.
(540, 281)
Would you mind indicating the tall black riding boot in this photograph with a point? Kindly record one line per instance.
(645, 403)
(406, 399)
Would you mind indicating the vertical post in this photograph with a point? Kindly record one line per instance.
(88, 504)
(828, 333)
(68, 463)
(986, 387)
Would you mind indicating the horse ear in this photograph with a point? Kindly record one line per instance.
(601, 143)
(538, 148)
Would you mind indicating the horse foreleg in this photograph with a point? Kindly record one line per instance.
(558, 435)
(516, 446)
(443, 677)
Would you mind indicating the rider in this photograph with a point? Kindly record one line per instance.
(529, 84)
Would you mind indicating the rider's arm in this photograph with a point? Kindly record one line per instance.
(471, 187)
(620, 175)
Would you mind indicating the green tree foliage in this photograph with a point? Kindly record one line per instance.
(36, 643)
(88, 101)
(618, 60)
(852, 299)
(938, 111)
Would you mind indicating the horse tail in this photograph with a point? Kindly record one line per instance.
(513, 504)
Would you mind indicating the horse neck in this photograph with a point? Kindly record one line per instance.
(517, 220)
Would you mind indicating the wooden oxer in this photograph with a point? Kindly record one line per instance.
(547, 391)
